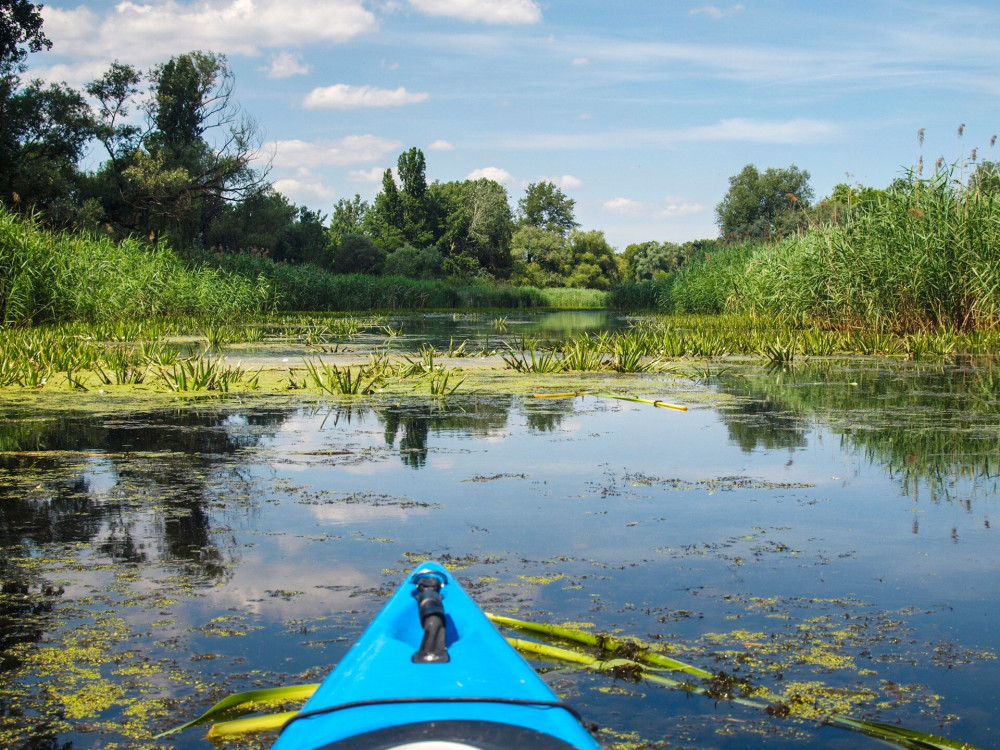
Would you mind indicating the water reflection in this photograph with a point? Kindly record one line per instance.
(132, 487)
(932, 424)
(247, 546)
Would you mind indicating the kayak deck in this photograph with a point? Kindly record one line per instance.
(393, 689)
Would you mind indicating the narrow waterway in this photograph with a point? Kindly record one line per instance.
(825, 534)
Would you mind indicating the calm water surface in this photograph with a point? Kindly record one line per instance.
(829, 528)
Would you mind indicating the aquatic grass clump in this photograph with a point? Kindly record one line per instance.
(629, 353)
(441, 383)
(581, 355)
(340, 382)
(532, 361)
(122, 366)
(205, 374)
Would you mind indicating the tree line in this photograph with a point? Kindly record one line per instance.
(183, 165)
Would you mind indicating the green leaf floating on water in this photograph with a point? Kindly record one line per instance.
(631, 649)
(646, 663)
(265, 695)
(264, 723)
(908, 738)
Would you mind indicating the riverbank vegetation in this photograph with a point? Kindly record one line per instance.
(922, 255)
(179, 219)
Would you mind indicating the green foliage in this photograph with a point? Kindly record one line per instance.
(204, 374)
(358, 254)
(51, 276)
(763, 205)
(547, 259)
(642, 295)
(265, 222)
(922, 255)
(547, 207)
(706, 284)
(986, 178)
(43, 132)
(348, 218)
(194, 155)
(336, 381)
(414, 263)
(644, 261)
(477, 223)
(20, 24)
(403, 214)
(591, 262)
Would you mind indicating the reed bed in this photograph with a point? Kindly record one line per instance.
(47, 276)
(924, 256)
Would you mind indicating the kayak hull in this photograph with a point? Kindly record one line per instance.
(484, 695)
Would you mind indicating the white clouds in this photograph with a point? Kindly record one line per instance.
(716, 13)
(343, 96)
(670, 208)
(734, 130)
(141, 33)
(304, 187)
(625, 207)
(580, 61)
(739, 129)
(566, 182)
(353, 149)
(371, 176)
(285, 65)
(488, 11)
(441, 145)
(496, 174)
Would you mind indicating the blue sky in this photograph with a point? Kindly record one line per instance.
(639, 111)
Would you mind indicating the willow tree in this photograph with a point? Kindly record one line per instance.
(196, 152)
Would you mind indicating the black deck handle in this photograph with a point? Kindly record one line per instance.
(433, 648)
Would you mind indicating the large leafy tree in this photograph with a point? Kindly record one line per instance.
(420, 215)
(645, 260)
(592, 263)
(539, 257)
(547, 207)
(478, 223)
(43, 129)
(384, 222)
(20, 31)
(348, 218)
(196, 153)
(761, 205)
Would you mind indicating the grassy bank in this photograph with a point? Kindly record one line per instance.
(47, 276)
(925, 255)
(56, 277)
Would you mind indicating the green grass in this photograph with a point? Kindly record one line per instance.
(49, 276)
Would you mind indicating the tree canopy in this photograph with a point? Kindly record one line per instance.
(547, 207)
(762, 205)
(20, 27)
